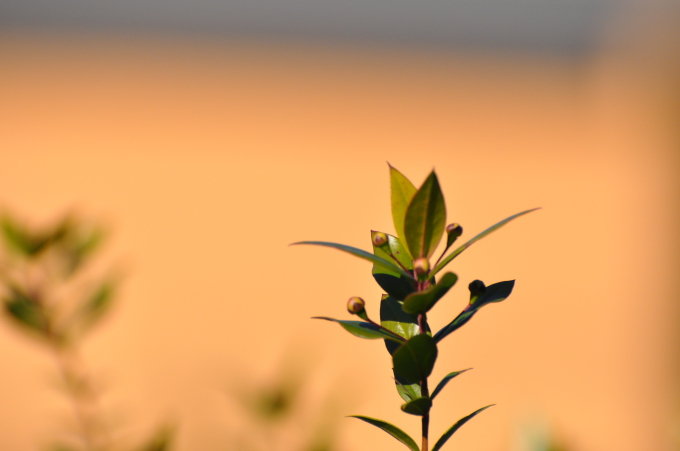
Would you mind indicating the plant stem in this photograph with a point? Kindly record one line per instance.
(425, 392)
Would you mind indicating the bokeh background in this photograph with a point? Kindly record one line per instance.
(208, 136)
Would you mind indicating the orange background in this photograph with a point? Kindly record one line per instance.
(207, 158)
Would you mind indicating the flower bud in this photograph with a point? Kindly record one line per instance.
(454, 229)
(477, 288)
(355, 305)
(421, 266)
(379, 239)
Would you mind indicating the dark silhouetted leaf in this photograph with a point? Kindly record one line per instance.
(425, 219)
(402, 192)
(394, 431)
(364, 330)
(419, 406)
(361, 254)
(455, 427)
(413, 361)
(423, 301)
(493, 293)
(394, 283)
(494, 227)
(447, 378)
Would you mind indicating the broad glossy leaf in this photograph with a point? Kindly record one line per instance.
(419, 406)
(494, 293)
(425, 219)
(494, 227)
(359, 253)
(363, 329)
(394, 319)
(455, 427)
(393, 282)
(447, 378)
(394, 431)
(423, 301)
(413, 361)
(408, 392)
(402, 191)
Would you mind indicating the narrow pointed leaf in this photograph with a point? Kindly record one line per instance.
(423, 301)
(455, 427)
(393, 282)
(413, 361)
(359, 253)
(478, 237)
(447, 378)
(402, 191)
(419, 406)
(363, 329)
(425, 219)
(394, 431)
(494, 293)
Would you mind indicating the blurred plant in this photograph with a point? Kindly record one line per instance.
(275, 409)
(401, 266)
(49, 293)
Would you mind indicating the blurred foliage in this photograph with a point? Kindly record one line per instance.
(274, 412)
(51, 292)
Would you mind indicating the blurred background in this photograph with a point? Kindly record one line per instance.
(208, 135)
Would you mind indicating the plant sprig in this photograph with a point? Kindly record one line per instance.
(401, 266)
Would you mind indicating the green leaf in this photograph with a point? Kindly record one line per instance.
(395, 319)
(402, 192)
(25, 311)
(362, 329)
(494, 293)
(98, 303)
(455, 427)
(408, 392)
(23, 240)
(394, 431)
(425, 219)
(419, 406)
(361, 254)
(447, 378)
(393, 282)
(413, 361)
(423, 301)
(494, 227)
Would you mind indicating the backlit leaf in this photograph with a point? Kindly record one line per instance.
(425, 219)
(402, 191)
(478, 237)
(394, 431)
(394, 283)
(363, 329)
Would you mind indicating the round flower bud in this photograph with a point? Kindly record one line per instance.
(476, 288)
(454, 229)
(379, 239)
(421, 266)
(355, 305)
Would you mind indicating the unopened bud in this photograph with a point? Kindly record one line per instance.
(477, 288)
(454, 229)
(421, 266)
(355, 305)
(379, 239)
